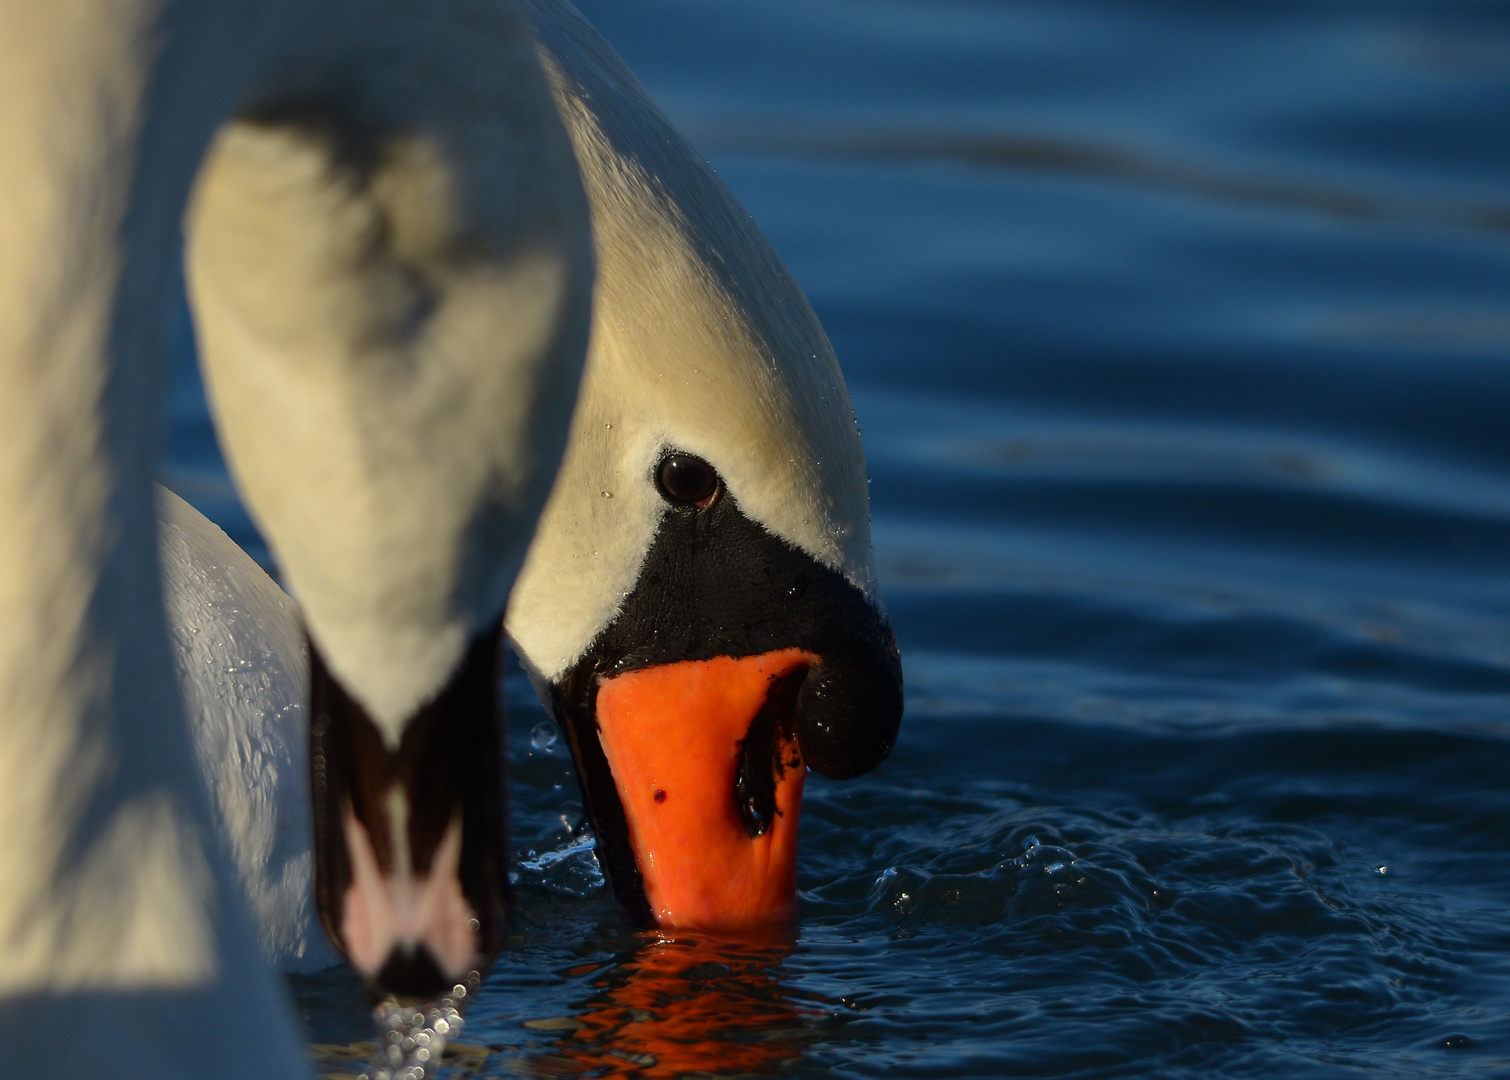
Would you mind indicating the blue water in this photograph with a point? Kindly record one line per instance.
(1179, 333)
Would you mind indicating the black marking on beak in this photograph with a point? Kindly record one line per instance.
(761, 762)
(403, 808)
(716, 583)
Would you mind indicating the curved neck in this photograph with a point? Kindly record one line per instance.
(113, 900)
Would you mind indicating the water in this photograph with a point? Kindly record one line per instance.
(1180, 337)
(412, 1041)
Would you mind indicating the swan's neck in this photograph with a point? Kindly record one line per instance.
(389, 266)
(114, 905)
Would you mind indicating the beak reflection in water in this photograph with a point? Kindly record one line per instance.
(683, 1006)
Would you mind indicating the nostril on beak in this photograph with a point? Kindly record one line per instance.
(766, 752)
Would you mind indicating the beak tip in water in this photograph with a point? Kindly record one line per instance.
(411, 879)
(414, 935)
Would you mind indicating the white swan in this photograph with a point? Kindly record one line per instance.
(123, 947)
(702, 344)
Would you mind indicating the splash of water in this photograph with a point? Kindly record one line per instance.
(566, 866)
(412, 1040)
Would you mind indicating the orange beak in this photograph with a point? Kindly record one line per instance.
(706, 764)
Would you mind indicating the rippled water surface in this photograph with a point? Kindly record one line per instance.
(1179, 333)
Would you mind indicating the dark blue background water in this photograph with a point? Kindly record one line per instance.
(1179, 333)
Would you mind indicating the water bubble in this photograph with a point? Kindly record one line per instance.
(416, 1037)
(543, 736)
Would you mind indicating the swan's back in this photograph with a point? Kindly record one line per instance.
(242, 670)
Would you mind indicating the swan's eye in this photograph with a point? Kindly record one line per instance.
(685, 479)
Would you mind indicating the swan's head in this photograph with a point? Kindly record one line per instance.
(731, 662)
(699, 603)
(390, 267)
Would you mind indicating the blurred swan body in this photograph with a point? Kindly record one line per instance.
(117, 911)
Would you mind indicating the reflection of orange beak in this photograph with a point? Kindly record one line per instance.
(680, 1007)
(707, 768)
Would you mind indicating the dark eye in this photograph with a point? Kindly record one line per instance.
(683, 478)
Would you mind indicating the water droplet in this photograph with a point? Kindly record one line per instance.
(416, 1038)
(543, 736)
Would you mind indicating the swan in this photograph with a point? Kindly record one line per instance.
(395, 424)
(698, 604)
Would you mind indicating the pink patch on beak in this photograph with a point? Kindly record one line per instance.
(384, 914)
